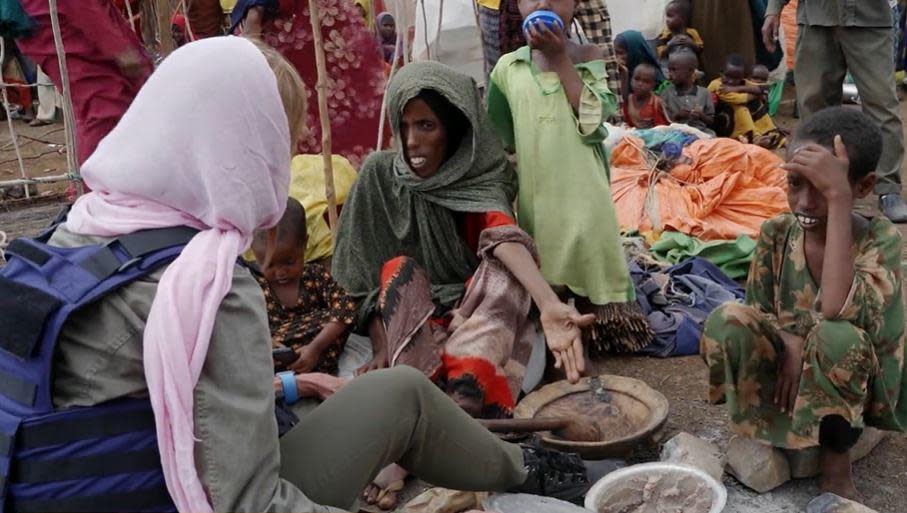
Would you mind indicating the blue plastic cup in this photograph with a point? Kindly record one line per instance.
(549, 18)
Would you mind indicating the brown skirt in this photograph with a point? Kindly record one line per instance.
(726, 27)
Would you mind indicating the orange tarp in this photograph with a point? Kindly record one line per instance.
(789, 22)
(728, 189)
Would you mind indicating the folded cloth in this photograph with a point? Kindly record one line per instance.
(677, 300)
(733, 257)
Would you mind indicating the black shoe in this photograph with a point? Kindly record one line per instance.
(894, 208)
(556, 474)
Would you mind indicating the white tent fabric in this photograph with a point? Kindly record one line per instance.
(459, 43)
(646, 16)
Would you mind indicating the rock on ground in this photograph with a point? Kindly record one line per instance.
(805, 463)
(831, 503)
(686, 449)
(758, 466)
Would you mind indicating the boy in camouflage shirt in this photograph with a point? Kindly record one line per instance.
(817, 351)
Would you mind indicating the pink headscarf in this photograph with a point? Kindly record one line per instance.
(205, 144)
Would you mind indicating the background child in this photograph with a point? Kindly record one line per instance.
(684, 101)
(307, 310)
(632, 49)
(817, 351)
(387, 37)
(759, 75)
(743, 106)
(677, 31)
(644, 109)
(548, 101)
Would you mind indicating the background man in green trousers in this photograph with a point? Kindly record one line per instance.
(837, 36)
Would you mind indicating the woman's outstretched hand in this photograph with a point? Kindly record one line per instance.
(563, 329)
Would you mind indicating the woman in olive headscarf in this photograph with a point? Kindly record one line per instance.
(429, 245)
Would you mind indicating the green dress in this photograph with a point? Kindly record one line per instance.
(565, 196)
(853, 364)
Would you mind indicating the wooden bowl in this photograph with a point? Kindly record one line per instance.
(627, 410)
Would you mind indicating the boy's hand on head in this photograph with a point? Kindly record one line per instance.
(826, 171)
(552, 42)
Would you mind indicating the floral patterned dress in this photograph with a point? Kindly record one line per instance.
(853, 365)
(321, 300)
(356, 74)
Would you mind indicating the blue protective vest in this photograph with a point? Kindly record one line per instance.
(99, 458)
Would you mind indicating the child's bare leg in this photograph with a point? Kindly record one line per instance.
(836, 437)
(837, 475)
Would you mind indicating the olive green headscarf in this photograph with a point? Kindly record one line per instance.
(391, 212)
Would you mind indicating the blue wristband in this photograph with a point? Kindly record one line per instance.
(290, 392)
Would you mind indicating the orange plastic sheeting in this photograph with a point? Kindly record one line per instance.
(789, 22)
(727, 190)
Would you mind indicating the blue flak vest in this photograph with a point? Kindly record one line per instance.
(98, 458)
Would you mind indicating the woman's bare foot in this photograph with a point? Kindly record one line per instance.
(386, 487)
(837, 475)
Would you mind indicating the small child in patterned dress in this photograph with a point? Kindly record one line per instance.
(307, 310)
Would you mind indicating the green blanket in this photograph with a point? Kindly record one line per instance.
(732, 256)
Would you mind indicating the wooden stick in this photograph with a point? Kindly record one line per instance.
(322, 88)
(129, 14)
(525, 425)
(185, 9)
(69, 118)
(163, 25)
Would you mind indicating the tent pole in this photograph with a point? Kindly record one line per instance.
(440, 23)
(406, 48)
(185, 9)
(425, 22)
(129, 14)
(322, 89)
(163, 24)
(69, 119)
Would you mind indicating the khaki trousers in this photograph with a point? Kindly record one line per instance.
(824, 55)
(395, 415)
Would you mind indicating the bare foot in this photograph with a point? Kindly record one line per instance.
(386, 487)
(837, 477)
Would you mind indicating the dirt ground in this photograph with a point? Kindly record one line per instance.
(681, 380)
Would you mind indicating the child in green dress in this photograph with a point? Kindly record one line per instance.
(817, 351)
(548, 101)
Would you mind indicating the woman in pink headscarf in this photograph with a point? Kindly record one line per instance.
(194, 336)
